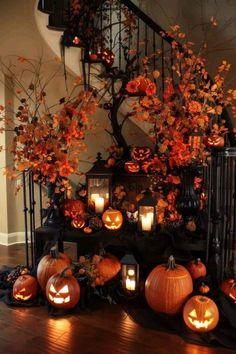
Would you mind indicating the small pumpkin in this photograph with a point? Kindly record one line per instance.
(25, 288)
(200, 314)
(131, 167)
(197, 269)
(63, 290)
(215, 141)
(167, 287)
(93, 56)
(50, 264)
(78, 222)
(88, 230)
(228, 287)
(73, 208)
(204, 288)
(112, 219)
(140, 153)
(108, 267)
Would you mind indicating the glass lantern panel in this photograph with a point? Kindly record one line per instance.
(129, 277)
(146, 217)
(98, 193)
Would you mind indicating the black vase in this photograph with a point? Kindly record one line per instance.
(188, 202)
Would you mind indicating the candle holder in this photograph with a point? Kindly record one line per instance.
(98, 182)
(129, 274)
(147, 213)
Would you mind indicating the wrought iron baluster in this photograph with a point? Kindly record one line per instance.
(31, 217)
(162, 67)
(138, 46)
(25, 210)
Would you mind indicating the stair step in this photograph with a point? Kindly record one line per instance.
(46, 6)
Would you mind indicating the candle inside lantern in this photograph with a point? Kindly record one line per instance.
(94, 196)
(130, 284)
(99, 204)
(131, 272)
(147, 221)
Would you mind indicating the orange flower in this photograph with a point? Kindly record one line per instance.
(132, 86)
(169, 91)
(151, 89)
(194, 107)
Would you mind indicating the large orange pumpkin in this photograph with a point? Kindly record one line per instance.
(200, 314)
(112, 219)
(107, 268)
(25, 288)
(63, 290)
(228, 286)
(50, 264)
(197, 269)
(167, 287)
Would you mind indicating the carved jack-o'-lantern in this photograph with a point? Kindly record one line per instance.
(63, 290)
(107, 56)
(25, 288)
(214, 141)
(112, 219)
(73, 208)
(201, 314)
(228, 287)
(131, 167)
(140, 153)
(78, 222)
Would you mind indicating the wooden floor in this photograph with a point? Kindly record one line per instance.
(105, 331)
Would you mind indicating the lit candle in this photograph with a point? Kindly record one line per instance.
(99, 204)
(146, 221)
(131, 272)
(130, 284)
(94, 196)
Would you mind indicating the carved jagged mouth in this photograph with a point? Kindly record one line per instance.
(22, 297)
(200, 324)
(59, 300)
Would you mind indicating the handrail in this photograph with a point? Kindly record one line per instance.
(147, 20)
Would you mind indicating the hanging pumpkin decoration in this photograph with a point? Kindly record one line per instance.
(197, 269)
(107, 57)
(228, 287)
(140, 153)
(167, 287)
(214, 141)
(50, 264)
(201, 314)
(63, 290)
(25, 288)
(73, 208)
(131, 167)
(112, 219)
(204, 288)
(78, 222)
(108, 267)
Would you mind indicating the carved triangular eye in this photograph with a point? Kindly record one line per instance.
(193, 313)
(22, 290)
(52, 289)
(117, 219)
(208, 313)
(108, 218)
(64, 290)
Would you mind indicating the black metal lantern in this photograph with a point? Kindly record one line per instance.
(98, 182)
(147, 212)
(129, 273)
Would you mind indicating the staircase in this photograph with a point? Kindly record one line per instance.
(115, 38)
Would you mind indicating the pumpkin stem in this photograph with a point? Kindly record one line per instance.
(198, 260)
(63, 273)
(171, 263)
(54, 252)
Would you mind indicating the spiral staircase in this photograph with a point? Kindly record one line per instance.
(114, 38)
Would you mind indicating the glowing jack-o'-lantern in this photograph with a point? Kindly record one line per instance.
(215, 141)
(131, 167)
(25, 288)
(112, 219)
(78, 222)
(228, 287)
(63, 290)
(140, 153)
(201, 314)
(73, 208)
